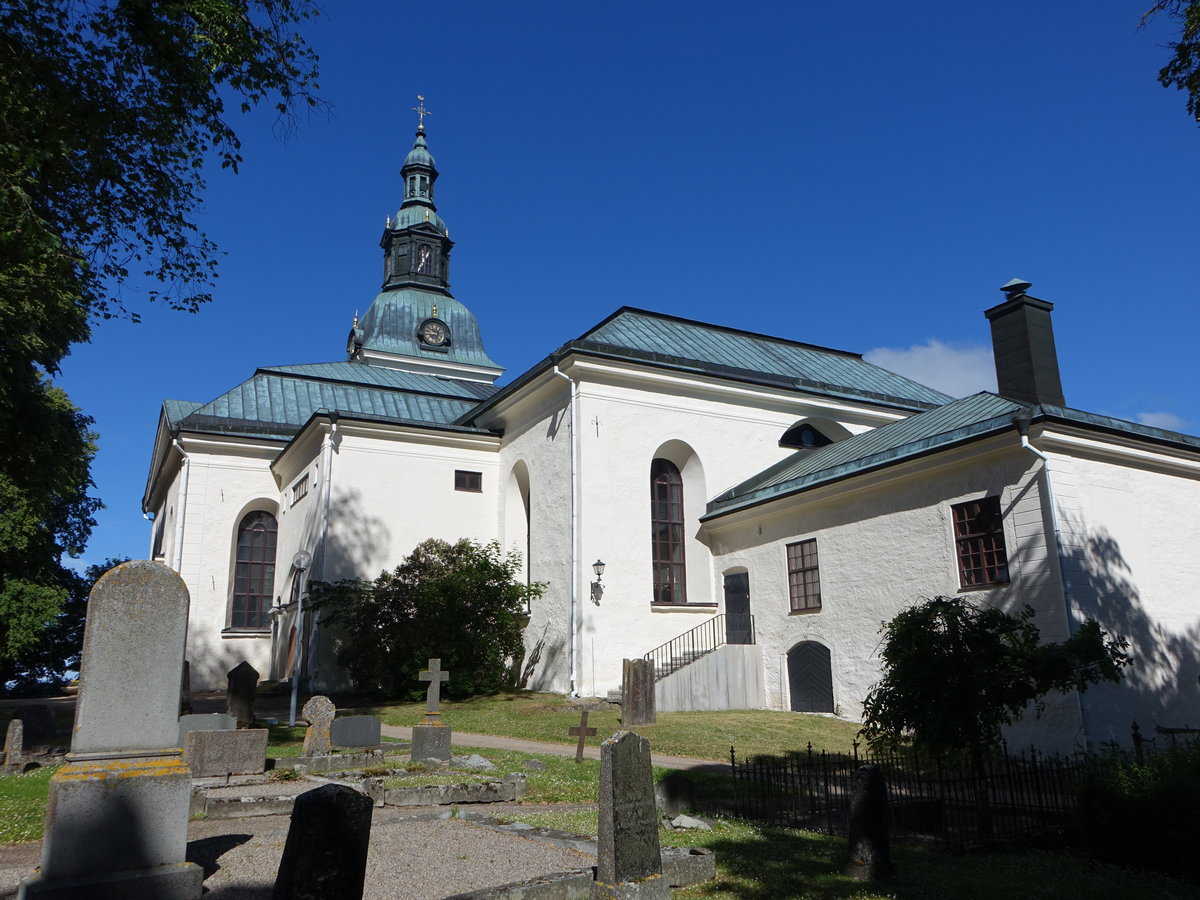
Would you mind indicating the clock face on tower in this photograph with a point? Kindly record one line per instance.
(434, 333)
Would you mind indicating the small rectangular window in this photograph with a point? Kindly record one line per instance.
(804, 579)
(979, 542)
(300, 489)
(468, 481)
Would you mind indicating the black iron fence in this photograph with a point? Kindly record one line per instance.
(938, 801)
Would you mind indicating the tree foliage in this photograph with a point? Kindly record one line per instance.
(44, 663)
(1183, 70)
(954, 673)
(460, 602)
(109, 110)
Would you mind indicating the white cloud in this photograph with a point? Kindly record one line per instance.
(955, 369)
(1169, 421)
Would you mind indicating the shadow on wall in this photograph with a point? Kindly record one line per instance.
(356, 539)
(1161, 685)
(542, 661)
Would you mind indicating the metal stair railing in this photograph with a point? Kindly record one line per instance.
(699, 641)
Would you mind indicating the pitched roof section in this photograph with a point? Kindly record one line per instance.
(733, 353)
(936, 429)
(275, 402)
(386, 377)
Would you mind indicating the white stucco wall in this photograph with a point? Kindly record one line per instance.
(715, 434)
(1127, 519)
(885, 542)
(225, 481)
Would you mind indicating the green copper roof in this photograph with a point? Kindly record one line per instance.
(177, 409)
(275, 403)
(419, 155)
(390, 326)
(728, 351)
(385, 376)
(961, 420)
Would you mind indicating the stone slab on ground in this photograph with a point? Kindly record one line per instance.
(205, 722)
(355, 731)
(212, 753)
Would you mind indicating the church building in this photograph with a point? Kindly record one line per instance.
(760, 505)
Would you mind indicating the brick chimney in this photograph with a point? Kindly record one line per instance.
(1023, 346)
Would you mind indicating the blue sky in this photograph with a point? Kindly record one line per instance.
(862, 177)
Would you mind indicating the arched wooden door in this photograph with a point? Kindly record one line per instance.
(738, 628)
(810, 677)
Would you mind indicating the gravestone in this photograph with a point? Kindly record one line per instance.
(431, 736)
(326, 851)
(239, 695)
(582, 732)
(14, 745)
(870, 848)
(38, 719)
(318, 711)
(355, 731)
(116, 818)
(185, 690)
(205, 722)
(629, 860)
(241, 751)
(637, 693)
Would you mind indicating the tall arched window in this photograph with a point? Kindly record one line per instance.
(666, 532)
(254, 571)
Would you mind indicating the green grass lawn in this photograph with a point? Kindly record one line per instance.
(761, 863)
(23, 805)
(706, 735)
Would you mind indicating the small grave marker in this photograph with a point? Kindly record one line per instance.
(583, 732)
(239, 695)
(326, 851)
(627, 841)
(433, 694)
(14, 744)
(637, 693)
(319, 711)
(431, 736)
(870, 849)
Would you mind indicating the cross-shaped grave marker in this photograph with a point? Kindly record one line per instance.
(583, 733)
(433, 694)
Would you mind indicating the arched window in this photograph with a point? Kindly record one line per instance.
(254, 572)
(666, 532)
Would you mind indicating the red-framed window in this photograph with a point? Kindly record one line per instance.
(804, 576)
(254, 572)
(979, 542)
(666, 532)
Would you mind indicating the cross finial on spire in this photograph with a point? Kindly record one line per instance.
(421, 112)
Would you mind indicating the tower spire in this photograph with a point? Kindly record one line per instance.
(421, 112)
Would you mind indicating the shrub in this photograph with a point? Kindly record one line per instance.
(460, 603)
(1143, 814)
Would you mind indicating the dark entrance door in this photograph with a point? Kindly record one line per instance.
(738, 628)
(810, 677)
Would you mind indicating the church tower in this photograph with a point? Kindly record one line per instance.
(415, 323)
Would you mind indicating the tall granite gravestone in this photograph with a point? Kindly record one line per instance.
(326, 851)
(116, 819)
(637, 693)
(870, 848)
(431, 736)
(319, 712)
(239, 695)
(629, 861)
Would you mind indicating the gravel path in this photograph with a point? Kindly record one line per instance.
(414, 855)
